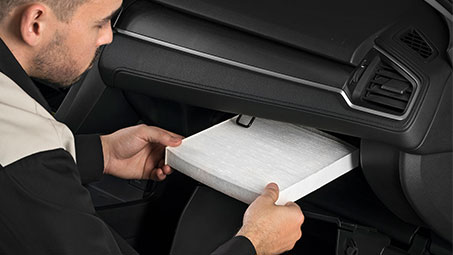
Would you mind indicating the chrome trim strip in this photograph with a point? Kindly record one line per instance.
(440, 9)
(227, 61)
(279, 75)
(415, 82)
(114, 22)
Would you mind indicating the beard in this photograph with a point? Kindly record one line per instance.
(54, 64)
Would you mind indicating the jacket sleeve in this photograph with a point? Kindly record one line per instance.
(239, 245)
(90, 159)
(45, 210)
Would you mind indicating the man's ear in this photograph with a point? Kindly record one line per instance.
(33, 23)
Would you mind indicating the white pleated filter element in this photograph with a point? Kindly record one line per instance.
(240, 161)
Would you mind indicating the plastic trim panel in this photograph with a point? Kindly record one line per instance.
(415, 82)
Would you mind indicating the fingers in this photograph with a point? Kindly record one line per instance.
(155, 167)
(296, 209)
(167, 170)
(157, 135)
(271, 191)
(157, 175)
(160, 174)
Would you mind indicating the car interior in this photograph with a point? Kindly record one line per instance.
(376, 74)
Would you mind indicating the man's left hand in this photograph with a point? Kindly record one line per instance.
(138, 152)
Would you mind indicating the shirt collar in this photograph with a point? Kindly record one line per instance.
(11, 68)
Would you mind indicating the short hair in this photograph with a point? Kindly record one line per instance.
(63, 9)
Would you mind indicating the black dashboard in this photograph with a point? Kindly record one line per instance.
(375, 70)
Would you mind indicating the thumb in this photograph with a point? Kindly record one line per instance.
(164, 137)
(271, 191)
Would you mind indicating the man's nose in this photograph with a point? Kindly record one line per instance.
(105, 36)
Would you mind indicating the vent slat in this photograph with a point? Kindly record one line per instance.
(390, 74)
(388, 89)
(384, 101)
(402, 98)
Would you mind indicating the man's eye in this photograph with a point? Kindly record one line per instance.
(103, 25)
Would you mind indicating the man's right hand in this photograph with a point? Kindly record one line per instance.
(271, 228)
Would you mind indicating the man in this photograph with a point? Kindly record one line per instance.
(44, 207)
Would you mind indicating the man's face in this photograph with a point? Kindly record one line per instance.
(72, 47)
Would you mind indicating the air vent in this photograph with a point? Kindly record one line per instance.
(388, 90)
(416, 42)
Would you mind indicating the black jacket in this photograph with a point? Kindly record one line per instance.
(44, 207)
